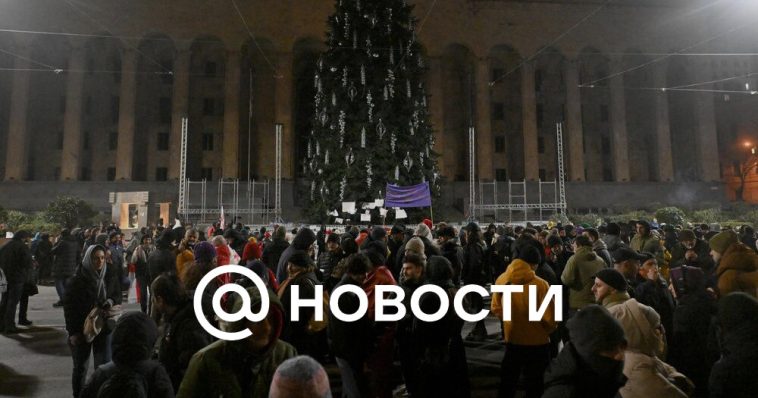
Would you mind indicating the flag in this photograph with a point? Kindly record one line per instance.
(408, 196)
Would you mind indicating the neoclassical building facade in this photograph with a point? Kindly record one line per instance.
(94, 91)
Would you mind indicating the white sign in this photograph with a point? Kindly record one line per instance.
(348, 207)
(400, 213)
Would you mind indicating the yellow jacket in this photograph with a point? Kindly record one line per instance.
(519, 330)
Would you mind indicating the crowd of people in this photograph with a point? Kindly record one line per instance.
(648, 310)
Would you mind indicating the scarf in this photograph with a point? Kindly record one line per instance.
(92, 274)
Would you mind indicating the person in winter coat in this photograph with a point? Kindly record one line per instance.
(691, 251)
(182, 334)
(304, 241)
(645, 241)
(43, 255)
(205, 261)
(301, 273)
(235, 240)
(242, 368)
(474, 273)
(163, 258)
(612, 238)
(591, 365)
(737, 264)
(527, 343)
(273, 251)
(133, 340)
(452, 251)
(395, 243)
(94, 285)
(141, 272)
(733, 376)
(598, 246)
(185, 249)
(16, 263)
(252, 251)
(67, 253)
(331, 257)
(352, 342)
(627, 262)
(654, 292)
(577, 276)
(349, 247)
(694, 311)
(407, 340)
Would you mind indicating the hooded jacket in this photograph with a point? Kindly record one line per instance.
(578, 276)
(303, 240)
(519, 330)
(133, 341)
(738, 271)
(601, 250)
(570, 376)
(88, 289)
(226, 368)
(16, 261)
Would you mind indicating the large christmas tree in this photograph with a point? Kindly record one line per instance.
(371, 124)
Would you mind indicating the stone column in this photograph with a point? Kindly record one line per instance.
(126, 114)
(705, 129)
(484, 147)
(72, 119)
(619, 142)
(529, 115)
(179, 108)
(437, 112)
(574, 127)
(283, 114)
(16, 158)
(230, 164)
(664, 157)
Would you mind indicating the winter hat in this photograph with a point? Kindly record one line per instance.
(415, 245)
(304, 239)
(376, 252)
(397, 229)
(529, 254)
(423, 231)
(133, 338)
(472, 227)
(614, 229)
(300, 258)
(204, 252)
(428, 223)
(280, 233)
(333, 238)
(101, 239)
(625, 253)
(612, 278)
(378, 233)
(736, 310)
(593, 330)
(686, 234)
(439, 272)
(447, 232)
(722, 240)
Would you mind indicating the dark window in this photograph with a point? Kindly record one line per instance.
(497, 73)
(606, 144)
(110, 175)
(86, 174)
(498, 112)
(113, 140)
(59, 143)
(206, 173)
(161, 174)
(163, 141)
(210, 69)
(501, 175)
(540, 115)
(115, 105)
(57, 173)
(499, 144)
(85, 140)
(543, 175)
(541, 144)
(209, 106)
(607, 174)
(538, 80)
(603, 113)
(165, 109)
(208, 141)
(62, 104)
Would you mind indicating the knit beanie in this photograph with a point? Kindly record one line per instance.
(686, 234)
(378, 233)
(204, 252)
(612, 278)
(415, 245)
(423, 231)
(133, 338)
(428, 223)
(593, 330)
(529, 254)
(722, 240)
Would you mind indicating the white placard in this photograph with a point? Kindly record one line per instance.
(9, 235)
(348, 207)
(338, 220)
(383, 212)
(366, 217)
(378, 202)
(335, 213)
(400, 213)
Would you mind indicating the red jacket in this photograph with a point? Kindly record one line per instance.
(379, 276)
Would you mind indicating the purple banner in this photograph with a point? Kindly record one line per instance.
(410, 196)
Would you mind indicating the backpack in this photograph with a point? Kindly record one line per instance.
(125, 383)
